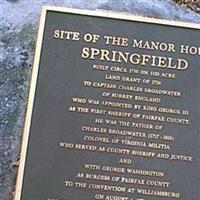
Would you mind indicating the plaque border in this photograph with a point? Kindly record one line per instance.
(35, 70)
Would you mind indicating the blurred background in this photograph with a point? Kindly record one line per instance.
(19, 21)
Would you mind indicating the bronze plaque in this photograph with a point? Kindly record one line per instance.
(113, 110)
